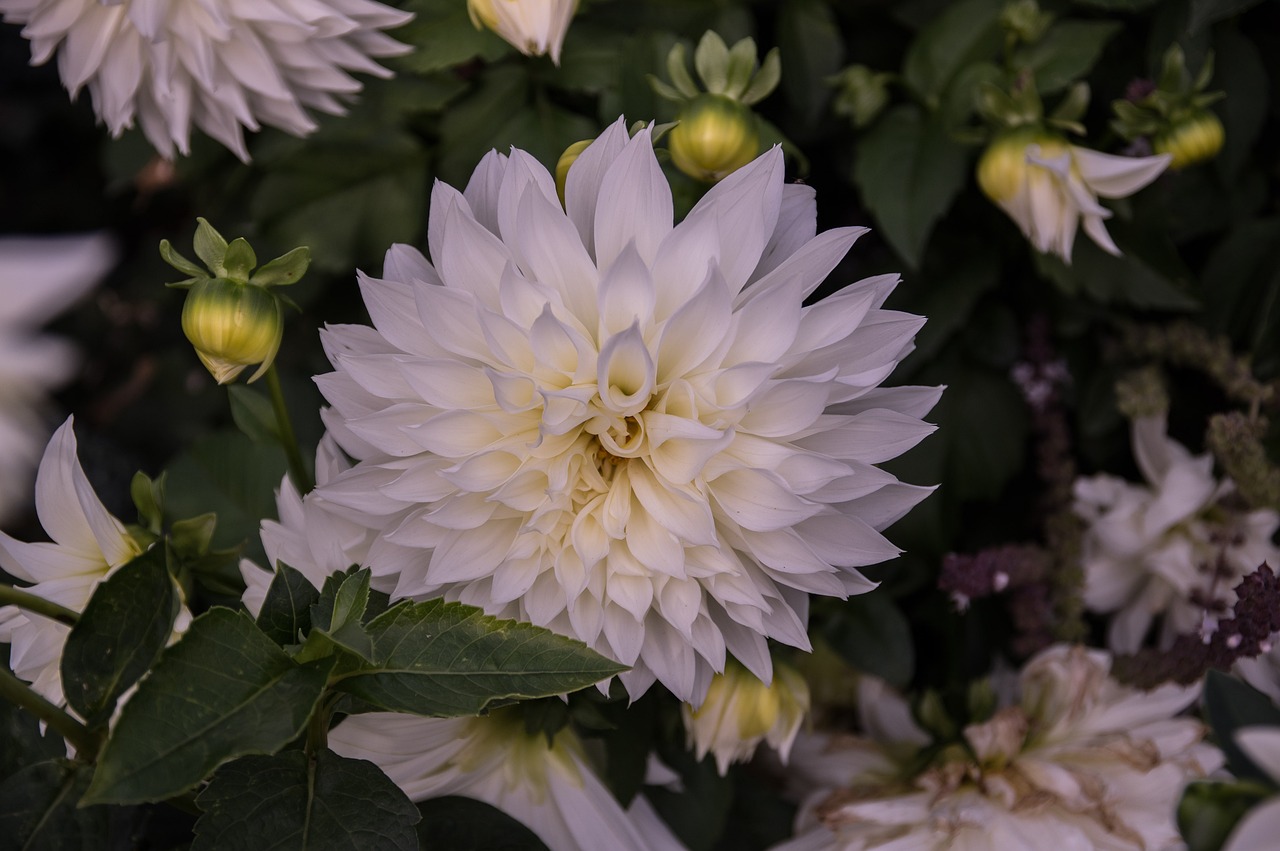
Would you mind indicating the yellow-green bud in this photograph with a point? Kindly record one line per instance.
(740, 711)
(1002, 169)
(1195, 139)
(232, 325)
(567, 159)
(715, 137)
(482, 14)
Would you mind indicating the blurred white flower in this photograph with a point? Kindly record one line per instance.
(1079, 762)
(1170, 548)
(1050, 188)
(39, 278)
(223, 65)
(88, 544)
(533, 27)
(1260, 827)
(740, 712)
(631, 433)
(548, 787)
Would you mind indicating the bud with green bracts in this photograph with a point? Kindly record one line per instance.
(232, 326)
(1194, 139)
(715, 136)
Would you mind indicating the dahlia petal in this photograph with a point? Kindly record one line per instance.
(634, 206)
(744, 207)
(1117, 177)
(582, 185)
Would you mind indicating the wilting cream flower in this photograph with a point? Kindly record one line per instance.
(1079, 762)
(224, 65)
(1258, 830)
(1049, 187)
(533, 27)
(548, 787)
(740, 712)
(1169, 549)
(88, 544)
(39, 278)
(631, 433)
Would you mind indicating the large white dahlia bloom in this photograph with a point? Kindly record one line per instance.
(630, 432)
(223, 65)
(1078, 762)
(39, 278)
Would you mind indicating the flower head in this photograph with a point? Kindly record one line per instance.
(631, 432)
(1049, 187)
(533, 27)
(88, 544)
(39, 277)
(1079, 761)
(1171, 548)
(740, 712)
(224, 65)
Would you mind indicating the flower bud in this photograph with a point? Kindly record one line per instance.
(715, 136)
(1003, 170)
(232, 325)
(533, 27)
(740, 711)
(1195, 139)
(567, 159)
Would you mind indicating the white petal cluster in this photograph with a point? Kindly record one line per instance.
(548, 787)
(1051, 188)
(223, 65)
(39, 278)
(1171, 548)
(1079, 762)
(533, 27)
(88, 544)
(630, 432)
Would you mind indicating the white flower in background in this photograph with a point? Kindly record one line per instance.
(631, 433)
(39, 278)
(1260, 827)
(1080, 762)
(1170, 548)
(88, 544)
(223, 65)
(547, 787)
(533, 27)
(1050, 188)
(740, 712)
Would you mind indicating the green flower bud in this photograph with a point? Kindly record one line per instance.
(715, 137)
(567, 159)
(1195, 139)
(232, 325)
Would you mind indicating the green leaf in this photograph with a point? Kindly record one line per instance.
(337, 618)
(284, 270)
(253, 413)
(190, 537)
(967, 32)
(1206, 12)
(148, 498)
(1230, 704)
(1243, 73)
(1243, 278)
(465, 824)
(444, 659)
(123, 629)
(171, 256)
(38, 809)
(21, 742)
(1067, 53)
(239, 260)
(870, 632)
(443, 36)
(909, 172)
(285, 615)
(982, 423)
(812, 51)
(210, 247)
(330, 803)
(223, 691)
(1129, 278)
(1210, 809)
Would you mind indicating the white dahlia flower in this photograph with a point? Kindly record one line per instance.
(1260, 827)
(88, 544)
(547, 786)
(533, 27)
(1080, 762)
(631, 432)
(39, 278)
(223, 65)
(1169, 549)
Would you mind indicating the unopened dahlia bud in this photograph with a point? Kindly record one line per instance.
(533, 27)
(566, 161)
(740, 711)
(1003, 170)
(232, 326)
(715, 136)
(1195, 139)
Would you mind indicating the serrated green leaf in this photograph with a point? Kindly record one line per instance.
(177, 261)
(38, 809)
(330, 803)
(465, 824)
(223, 691)
(210, 247)
(239, 260)
(445, 659)
(284, 270)
(1067, 53)
(966, 32)
(123, 629)
(285, 615)
(909, 172)
(337, 617)
(253, 413)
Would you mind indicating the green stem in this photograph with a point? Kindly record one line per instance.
(297, 466)
(19, 693)
(318, 726)
(26, 600)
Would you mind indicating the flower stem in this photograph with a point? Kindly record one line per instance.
(19, 693)
(297, 466)
(30, 602)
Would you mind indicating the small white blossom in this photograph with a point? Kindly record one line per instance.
(533, 27)
(740, 712)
